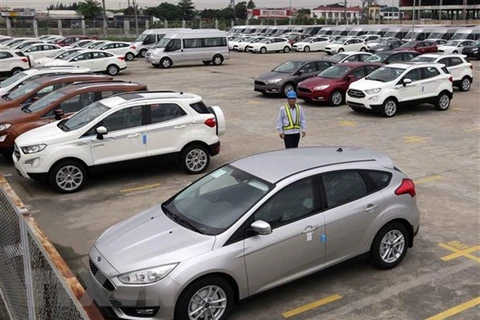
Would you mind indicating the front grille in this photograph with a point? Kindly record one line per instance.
(101, 278)
(327, 48)
(356, 93)
(357, 105)
(441, 51)
(300, 89)
(16, 152)
(147, 54)
(260, 83)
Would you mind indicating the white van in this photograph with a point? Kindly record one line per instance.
(470, 33)
(206, 45)
(151, 36)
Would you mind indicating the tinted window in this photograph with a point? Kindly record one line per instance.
(5, 55)
(342, 187)
(106, 94)
(429, 72)
(413, 75)
(309, 68)
(124, 119)
(407, 56)
(289, 204)
(165, 111)
(358, 73)
(444, 61)
(192, 43)
(173, 45)
(379, 179)
(455, 61)
(394, 58)
(200, 107)
(99, 55)
(83, 56)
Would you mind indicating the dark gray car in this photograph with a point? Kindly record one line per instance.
(386, 45)
(286, 76)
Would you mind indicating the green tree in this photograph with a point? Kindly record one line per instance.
(251, 5)
(241, 10)
(89, 8)
(186, 9)
(130, 11)
(163, 11)
(302, 12)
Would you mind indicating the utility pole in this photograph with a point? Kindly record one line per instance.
(413, 20)
(291, 13)
(345, 12)
(104, 19)
(232, 4)
(136, 18)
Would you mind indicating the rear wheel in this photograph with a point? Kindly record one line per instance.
(363, 49)
(443, 101)
(466, 84)
(129, 56)
(15, 71)
(113, 70)
(195, 158)
(390, 246)
(217, 60)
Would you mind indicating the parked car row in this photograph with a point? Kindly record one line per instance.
(59, 125)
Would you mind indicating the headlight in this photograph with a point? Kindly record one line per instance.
(473, 50)
(325, 86)
(149, 275)
(274, 80)
(33, 149)
(5, 126)
(372, 91)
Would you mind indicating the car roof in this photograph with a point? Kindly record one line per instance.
(406, 65)
(292, 161)
(397, 52)
(121, 98)
(101, 85)
(445, 55)
(360, 63)
(59, 77)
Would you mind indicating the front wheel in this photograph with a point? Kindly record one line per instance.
(263, 50)
(217, 60)
(363, 49)
(389, 108)
(195, 159)
(287, 87)
(166, 63)
(336, 98)
(211, 297)
(455, 51)
(340, 50)
(286, 49)
(306, 49)
(143, 53)
(68, 176)
(466, 84)
(390, 246)
(443, 101)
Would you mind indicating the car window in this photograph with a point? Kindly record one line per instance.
(407, 56)
(106, 94)
(362, 57)
(394, 58)
(200, 107)
(5, 55)
(309, 68)
(454, 61)
(322, 65)
(358, 73)
(352, 58)
(124, 119)
(174, 45)
(45, 91)
(161, 112)
(99, 55)
(289, 204)
(370, 69)
(342, 187)
(413, 75)
(379, 179)
(82, 57)
(429, 72)
(444, 61)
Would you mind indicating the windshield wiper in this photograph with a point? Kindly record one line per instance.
(180, 220)
(6, 97)
(26, 110)
(62, 125)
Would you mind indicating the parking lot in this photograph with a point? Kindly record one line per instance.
(439, 277)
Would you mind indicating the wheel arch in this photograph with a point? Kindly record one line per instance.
(66, 159)
(202, 143)
(408, 226)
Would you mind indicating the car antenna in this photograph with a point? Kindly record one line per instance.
(340, 150)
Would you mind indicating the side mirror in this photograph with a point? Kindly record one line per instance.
(406, 82)
(261, 227)
(300, 72)
(35, 98)
(58, 114)
(100, 132)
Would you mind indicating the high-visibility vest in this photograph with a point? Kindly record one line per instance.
(292, 125)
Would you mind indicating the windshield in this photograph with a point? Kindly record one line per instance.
(385, 74)
(67, 55)
(423, 59)
(264, 40)
(436, 35)
(45, 101)
(476, 43)
(379, 57)
(338, 57)
(85, 116)
(391, 34)
(460, 36)
(453, 43)
(288, 67)
(334, 72)
(340, 41)
(162, 43)
(409, 35)
(12, 79)
(141, 37)
(23, 90)
(213, 203)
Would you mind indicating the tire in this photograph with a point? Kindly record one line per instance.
(455, 51)
(363, 49)
(142, 53)
(67, 176)
(336, 98)
(287, 87)
(222, 289)
(384, 241)
(389, 108)
(206, 62)
(466, 84)
(443, 101)
(129, 56)
(217, 59)
(194, 159)
(286, 49)
(263, 50)
(113, 70)
(306, 49)
(15, 71)
(166, 63)
(340, 50)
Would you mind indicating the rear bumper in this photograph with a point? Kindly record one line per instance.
(214, 149)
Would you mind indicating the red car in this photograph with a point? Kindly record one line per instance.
(425, 46)
(72, 39)
(331, 84)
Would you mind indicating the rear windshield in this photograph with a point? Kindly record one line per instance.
(200, 107)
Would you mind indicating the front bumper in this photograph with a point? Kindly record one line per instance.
(310, 95)
(261, 86)
(369, 102)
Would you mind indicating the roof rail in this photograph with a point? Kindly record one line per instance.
(103, 81)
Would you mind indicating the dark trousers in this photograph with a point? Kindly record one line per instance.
(291, 140)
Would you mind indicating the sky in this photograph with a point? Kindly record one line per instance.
(199, 4)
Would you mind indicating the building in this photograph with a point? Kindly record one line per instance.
(442, 9)
(390, 13)
(336, 13)
(267, 13)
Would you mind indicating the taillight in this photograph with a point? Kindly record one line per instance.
(121, 58)
(407, 186)
(211, 122)
(24, 59)
(133, 47)
(450, 79)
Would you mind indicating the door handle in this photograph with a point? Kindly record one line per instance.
(133, 135)
(180, 127)
(309, 229)
(370, 207)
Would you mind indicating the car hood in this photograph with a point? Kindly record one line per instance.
(56, 63)
(150, 239)
(47, 134)
(273, 75)
(315, 82)
(13, 115)
(364, 84)
(447, 47)
(467, 48)
(4, 104)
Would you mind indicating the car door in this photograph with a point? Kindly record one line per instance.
(192, 49)
(395, 57)
(352, 213)
(100, 61)
(83, 60)
(430, 81)
(454, 65)
(321, 43)
(413, 90)
(420, 47)
(280, 44)
(407, 56)
(295, 246)
(168, 128)
(125, 137)
(174, 49)
(354, 75)
(306, 71)
(356, 44)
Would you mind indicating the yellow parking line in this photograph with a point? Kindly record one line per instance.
(311, 306)
(472, 130)
(460, 253)
(149, 186)
(427, 179)
(455, 310)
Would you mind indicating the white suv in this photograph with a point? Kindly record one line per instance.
(13, 62)
(118, 130)
(401, 83)
(457, 65)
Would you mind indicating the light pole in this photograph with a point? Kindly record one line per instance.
(291, 13)
(104, 19)
(136, 19)
(413, 20)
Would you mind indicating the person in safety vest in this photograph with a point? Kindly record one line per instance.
(291, 121)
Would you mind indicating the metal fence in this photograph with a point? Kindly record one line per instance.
(35, 282)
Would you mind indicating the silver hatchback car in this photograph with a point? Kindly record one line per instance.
(253, 225)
